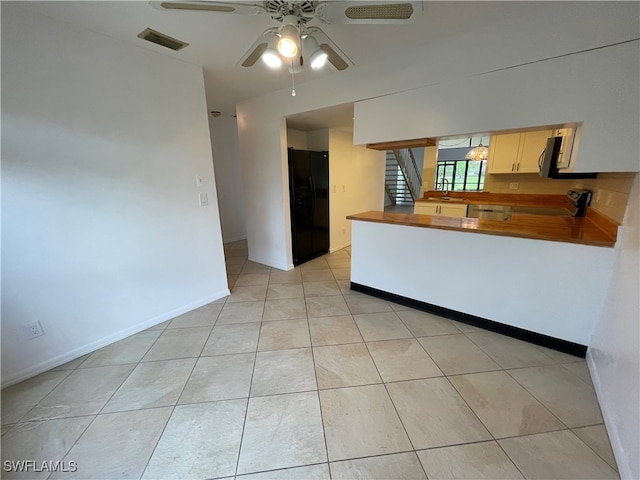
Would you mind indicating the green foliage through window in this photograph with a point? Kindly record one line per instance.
(461, 174)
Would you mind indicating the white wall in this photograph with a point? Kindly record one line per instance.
(522, 282)
(102, 234)
(554, 91)
(296, 139)
(318, 140)
(514, 41)
(614, 354)
(356, 178)
(226, 163)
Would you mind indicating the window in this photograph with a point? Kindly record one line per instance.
(460, 173)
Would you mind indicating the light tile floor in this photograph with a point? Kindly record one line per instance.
(296, 376)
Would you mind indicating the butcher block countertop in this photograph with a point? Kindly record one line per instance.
(591, 230)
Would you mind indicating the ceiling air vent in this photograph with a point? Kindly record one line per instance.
(390, 11)
(153, 36)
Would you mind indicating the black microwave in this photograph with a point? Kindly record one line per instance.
(548, 162)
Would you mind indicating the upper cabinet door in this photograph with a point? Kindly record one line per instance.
(533, 143)
(504, 152)
(517, 152)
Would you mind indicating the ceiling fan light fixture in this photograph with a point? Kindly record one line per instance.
(270, 55)
(318, 57)
(288, 43)
(287, 47)
(271, 58)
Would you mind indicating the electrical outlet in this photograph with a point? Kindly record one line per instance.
(513, 186)
(33, 329)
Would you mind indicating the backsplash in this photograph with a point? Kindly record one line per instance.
(610, 193)
(610, 190)
(527, 183)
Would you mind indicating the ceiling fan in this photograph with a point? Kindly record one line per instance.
(293, 42)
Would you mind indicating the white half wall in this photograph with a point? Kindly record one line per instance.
(554, 288)
(356, 178)
(226, 163)
(614, 354)
(102, 232)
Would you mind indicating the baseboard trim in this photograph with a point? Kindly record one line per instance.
(553, 343)
(233, 239)
(279, 266)
(335, 249)
(108, 340)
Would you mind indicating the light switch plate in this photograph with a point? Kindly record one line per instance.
(203, 198)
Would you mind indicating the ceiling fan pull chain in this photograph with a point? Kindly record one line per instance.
(293, 81)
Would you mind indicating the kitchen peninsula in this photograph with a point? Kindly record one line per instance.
(540, 227)
(544, 283)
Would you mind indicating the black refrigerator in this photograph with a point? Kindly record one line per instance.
(309, 200)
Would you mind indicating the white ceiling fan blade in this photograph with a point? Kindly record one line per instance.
(257, 49)
(368, 12)
(335, 56)
(216, 7)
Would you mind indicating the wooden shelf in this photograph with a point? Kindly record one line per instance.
(415, 143)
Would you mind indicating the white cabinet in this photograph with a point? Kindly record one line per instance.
(517, 152)
(441, 209)
(424, 208)
(503, 153)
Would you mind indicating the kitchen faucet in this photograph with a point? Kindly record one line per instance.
(445, 190)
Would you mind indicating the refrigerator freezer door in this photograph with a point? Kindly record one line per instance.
(309, 198)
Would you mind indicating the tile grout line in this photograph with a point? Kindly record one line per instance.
(404, 428)
(173, 407)
(395, 408)
(253, 370)
(592, 449)
(315, 372)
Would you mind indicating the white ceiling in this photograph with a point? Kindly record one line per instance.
(217, 41)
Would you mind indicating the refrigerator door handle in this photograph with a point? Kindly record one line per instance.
(312, 198)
